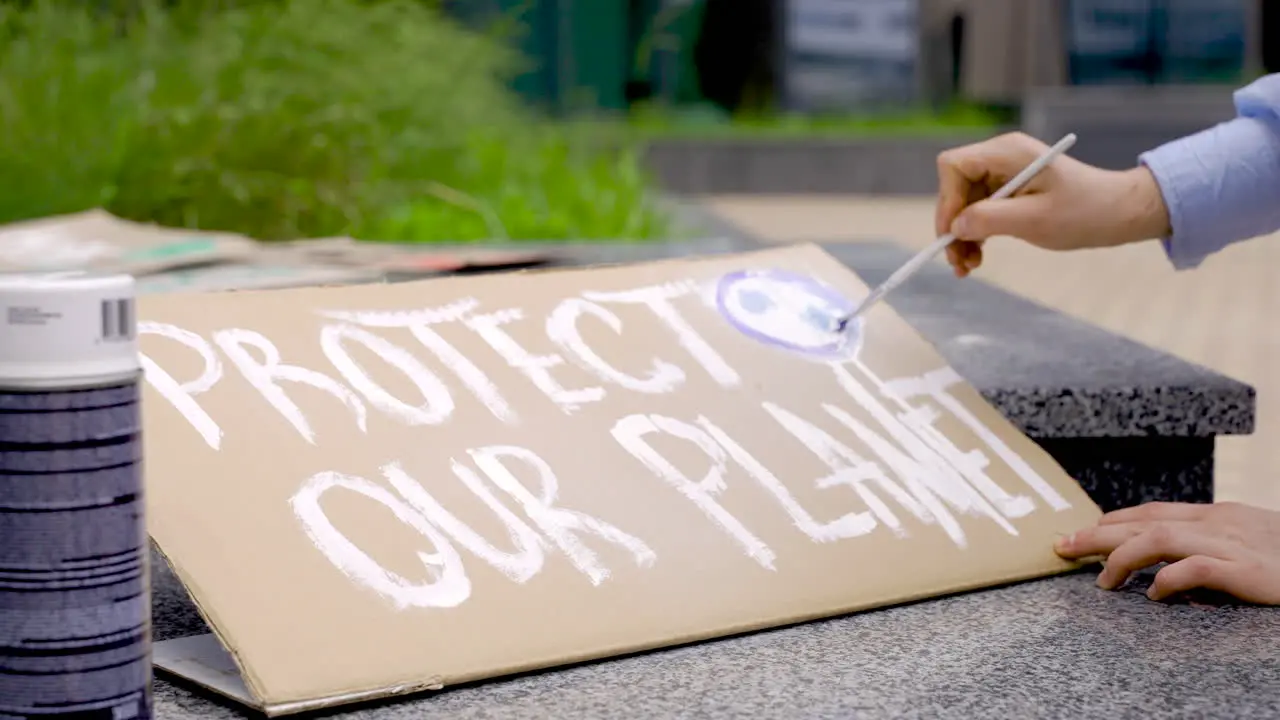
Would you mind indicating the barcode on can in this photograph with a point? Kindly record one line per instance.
(117, 320)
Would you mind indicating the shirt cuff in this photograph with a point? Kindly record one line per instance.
(1218, 186)
(1174, 168)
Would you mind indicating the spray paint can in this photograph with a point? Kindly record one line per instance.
(75, 601)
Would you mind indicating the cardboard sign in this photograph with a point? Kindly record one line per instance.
(380, 489)
(97, 240)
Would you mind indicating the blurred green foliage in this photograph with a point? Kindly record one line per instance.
(382, 119)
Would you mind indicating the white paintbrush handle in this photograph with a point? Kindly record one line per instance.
(921, 258)
(1035, 168)
(900, 275)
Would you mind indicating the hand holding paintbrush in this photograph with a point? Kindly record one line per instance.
(913, 265)
(1071, 207)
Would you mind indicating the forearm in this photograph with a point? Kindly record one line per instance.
(1222, 185)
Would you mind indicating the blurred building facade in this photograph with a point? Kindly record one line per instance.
(852, 55)
(1009, 47)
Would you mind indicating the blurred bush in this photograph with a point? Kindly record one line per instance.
(294, 118)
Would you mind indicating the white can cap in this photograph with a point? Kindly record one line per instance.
(67, 329)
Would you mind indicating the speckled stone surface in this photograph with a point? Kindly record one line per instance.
(1057, 648)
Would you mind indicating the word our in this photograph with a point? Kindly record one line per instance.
(904, 459)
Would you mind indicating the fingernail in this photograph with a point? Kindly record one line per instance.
(960, 227)
(1105, 582)
(1065, 542)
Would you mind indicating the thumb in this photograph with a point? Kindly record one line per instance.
(1021, 217)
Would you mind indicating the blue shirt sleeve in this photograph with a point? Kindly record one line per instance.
(1222, 185)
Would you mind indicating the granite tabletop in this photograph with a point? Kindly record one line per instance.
(1055, 648)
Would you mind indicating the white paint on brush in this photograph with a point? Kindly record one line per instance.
(520, 565)
(560, 524)
(437, 404)
(182, 395)
(266, 374)
(658, 299)
(448, 585)
(630, 432)
(562, 328)
(420, 323)
(536, 367)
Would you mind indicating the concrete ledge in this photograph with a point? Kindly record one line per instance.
(783, 166)
(1116, 124)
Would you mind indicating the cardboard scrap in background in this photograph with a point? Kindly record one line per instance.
(408, 258)
(251, 276)
(175, 260)
(378, 489)
(97, 240)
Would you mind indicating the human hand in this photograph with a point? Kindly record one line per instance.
(1228, 547)
(1068, 206)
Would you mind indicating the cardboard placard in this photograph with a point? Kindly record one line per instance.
(97, 240)
(380, 489)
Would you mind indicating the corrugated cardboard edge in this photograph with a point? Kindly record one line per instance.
(205, 661)
(253, 695)
(198, 660)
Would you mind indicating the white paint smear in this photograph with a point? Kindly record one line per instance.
(560, 524)
(452, 312)
(437, 404)
(562, 328)
(850, 525)
(934, 384)
(916, 463)
(520, 565)
(851, 470)
(266, 374)
(448, 586)
(182, 395)
(536, 367)
(419, 323)
(630, 432)
(658, 299)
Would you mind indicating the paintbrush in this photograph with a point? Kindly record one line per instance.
(924, 256)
